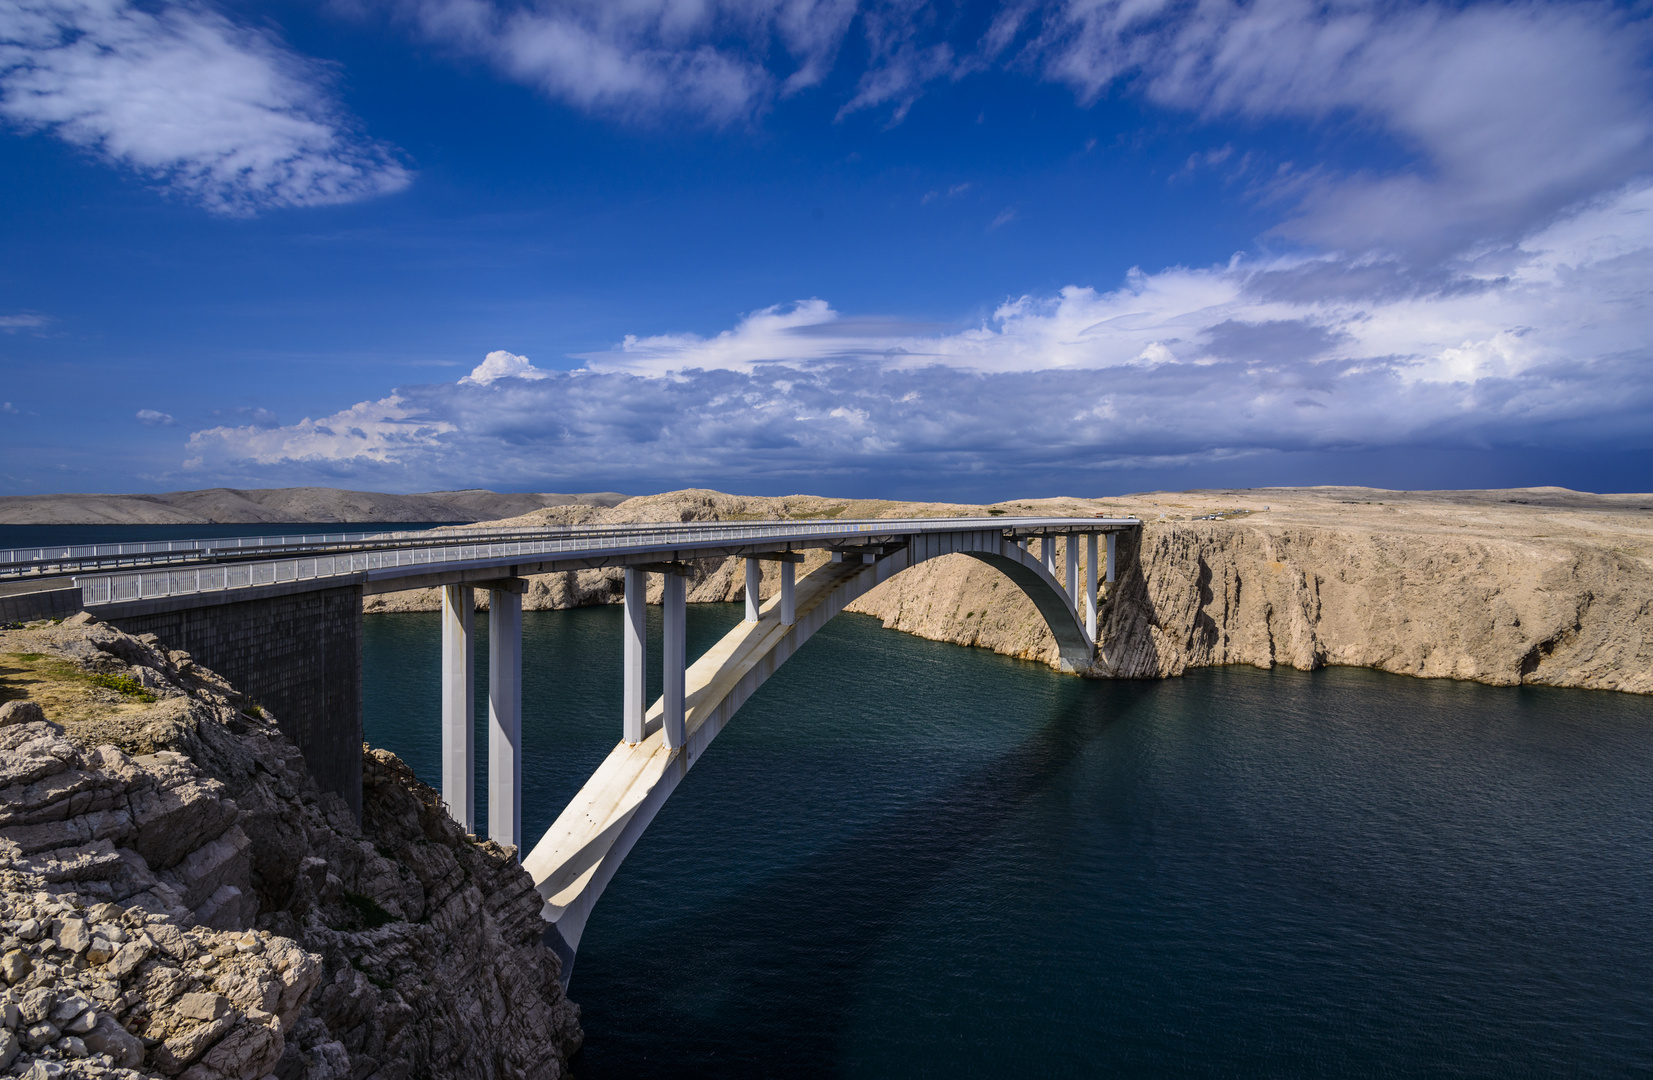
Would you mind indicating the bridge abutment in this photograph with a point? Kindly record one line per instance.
(297, 654)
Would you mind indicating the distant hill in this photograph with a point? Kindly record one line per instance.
(278, 505)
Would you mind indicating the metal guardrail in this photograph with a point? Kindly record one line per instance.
(437, 549)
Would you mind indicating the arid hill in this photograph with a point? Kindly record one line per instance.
(278, 505)
(1529, 585)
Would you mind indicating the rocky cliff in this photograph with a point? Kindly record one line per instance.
(1531, 585)
(177, 898)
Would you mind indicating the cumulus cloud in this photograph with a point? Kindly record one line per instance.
(1546, 343)
(155, 418)
(500, 364)
(225, 116)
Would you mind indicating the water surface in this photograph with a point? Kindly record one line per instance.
(909, 859)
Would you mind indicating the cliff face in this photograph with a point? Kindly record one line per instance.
(1197, 594)
(177, 896)
(1532, 585)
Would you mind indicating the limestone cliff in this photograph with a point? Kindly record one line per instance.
(177, 897)
(1531, 585)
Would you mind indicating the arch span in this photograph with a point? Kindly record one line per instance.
(583, 849)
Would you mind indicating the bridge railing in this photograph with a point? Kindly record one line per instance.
(220, 577)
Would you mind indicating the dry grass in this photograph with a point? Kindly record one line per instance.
(67, 693)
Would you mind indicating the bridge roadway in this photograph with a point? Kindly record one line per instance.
(242, 614)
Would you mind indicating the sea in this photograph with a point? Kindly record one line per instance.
(905, 858)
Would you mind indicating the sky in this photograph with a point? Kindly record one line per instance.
(947, 250)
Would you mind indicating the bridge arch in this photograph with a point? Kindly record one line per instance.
(582, 850)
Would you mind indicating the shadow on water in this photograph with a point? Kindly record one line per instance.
(825, 916)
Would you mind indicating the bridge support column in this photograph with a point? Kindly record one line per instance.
(674, 660)
(754, 582)
(1073, 570)
(1047, 552)
(789, 593)
(1112, 544)
(1090, 587)
(637, 655)
(505, 717)
(459, 704)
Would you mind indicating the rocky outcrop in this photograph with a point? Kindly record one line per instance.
(178, 898)
(1199, 594)
(1530, 586)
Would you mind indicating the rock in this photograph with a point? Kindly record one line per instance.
(70, 1046)
(40, 1035)
(21, 712)
(67, 1009)
(180, 1051)
(37, 1004)
(10, 1047)
(74, 936)
(15, 965)
(108, 1037)
(127, 957)
(10, 1015)
(30, 929)
(43, 1070)
(202, 1006)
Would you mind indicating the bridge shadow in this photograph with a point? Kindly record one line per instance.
(792, 951)
(1127, 616)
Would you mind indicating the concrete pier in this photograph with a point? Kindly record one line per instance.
(754, 583)
(673, 660)
(505, 714)
(789, 593)
(459, 704)
(1112, 545)
(1073, 570)
(1047, 552)
(636, 701)
(1090, 583)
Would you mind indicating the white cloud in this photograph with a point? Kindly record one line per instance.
(226, 116)
(500, 364)
(372, 431)
(13, 323)
(155, 418)
(1510, 112)
(8, 407)
(1542, 344)
(639, 59)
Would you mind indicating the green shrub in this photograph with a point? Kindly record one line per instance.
(126, 685)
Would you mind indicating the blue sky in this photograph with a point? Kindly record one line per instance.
(970, 251)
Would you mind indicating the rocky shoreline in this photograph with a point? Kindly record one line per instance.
(1526, 586)
(178, 899)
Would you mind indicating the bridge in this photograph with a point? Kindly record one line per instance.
(287, 630)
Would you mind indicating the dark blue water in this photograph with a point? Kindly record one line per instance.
(26, 536)
(908, 859)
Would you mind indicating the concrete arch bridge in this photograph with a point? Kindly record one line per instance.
(281, 618)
